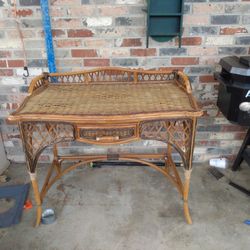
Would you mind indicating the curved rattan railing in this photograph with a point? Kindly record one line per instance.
(112, 75)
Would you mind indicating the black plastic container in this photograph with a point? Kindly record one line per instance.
(234, 89)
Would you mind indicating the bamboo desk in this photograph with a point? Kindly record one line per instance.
(108, 106)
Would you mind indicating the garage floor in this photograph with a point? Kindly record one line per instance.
(134, 208)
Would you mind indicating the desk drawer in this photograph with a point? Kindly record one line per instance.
(108, 134)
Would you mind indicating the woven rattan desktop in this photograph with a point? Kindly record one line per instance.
(108, 106)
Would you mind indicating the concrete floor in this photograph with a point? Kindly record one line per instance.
(134, 208)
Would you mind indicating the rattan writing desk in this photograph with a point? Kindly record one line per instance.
(108, 106)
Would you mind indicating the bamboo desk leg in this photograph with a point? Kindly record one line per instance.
(185, 195)
(33, 179)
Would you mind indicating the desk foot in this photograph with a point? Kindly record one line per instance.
(38, 216)
(185, 196)
(186, 213)
(37, 199)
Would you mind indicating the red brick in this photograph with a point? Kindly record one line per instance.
(207, 78)
(4, 54)
(96, 62)
(3, 64)
(208, 143)
(57, 32)
(185, 60)
(131, 42)
(83, 53)
(6, 72)
(14, 106)
(189, 41)
(143, 52)
(232, 31)
(68, 43)
(239, 135)
(80, 33)
(172, 68)
(15, 63)
(24, 12)
(232, 128)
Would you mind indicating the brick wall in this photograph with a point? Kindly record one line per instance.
(93, 33)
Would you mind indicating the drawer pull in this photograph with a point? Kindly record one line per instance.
(108, 138)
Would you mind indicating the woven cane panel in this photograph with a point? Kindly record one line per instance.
(42, 134)
(37, 136)
(177, 132)
(115, 99)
